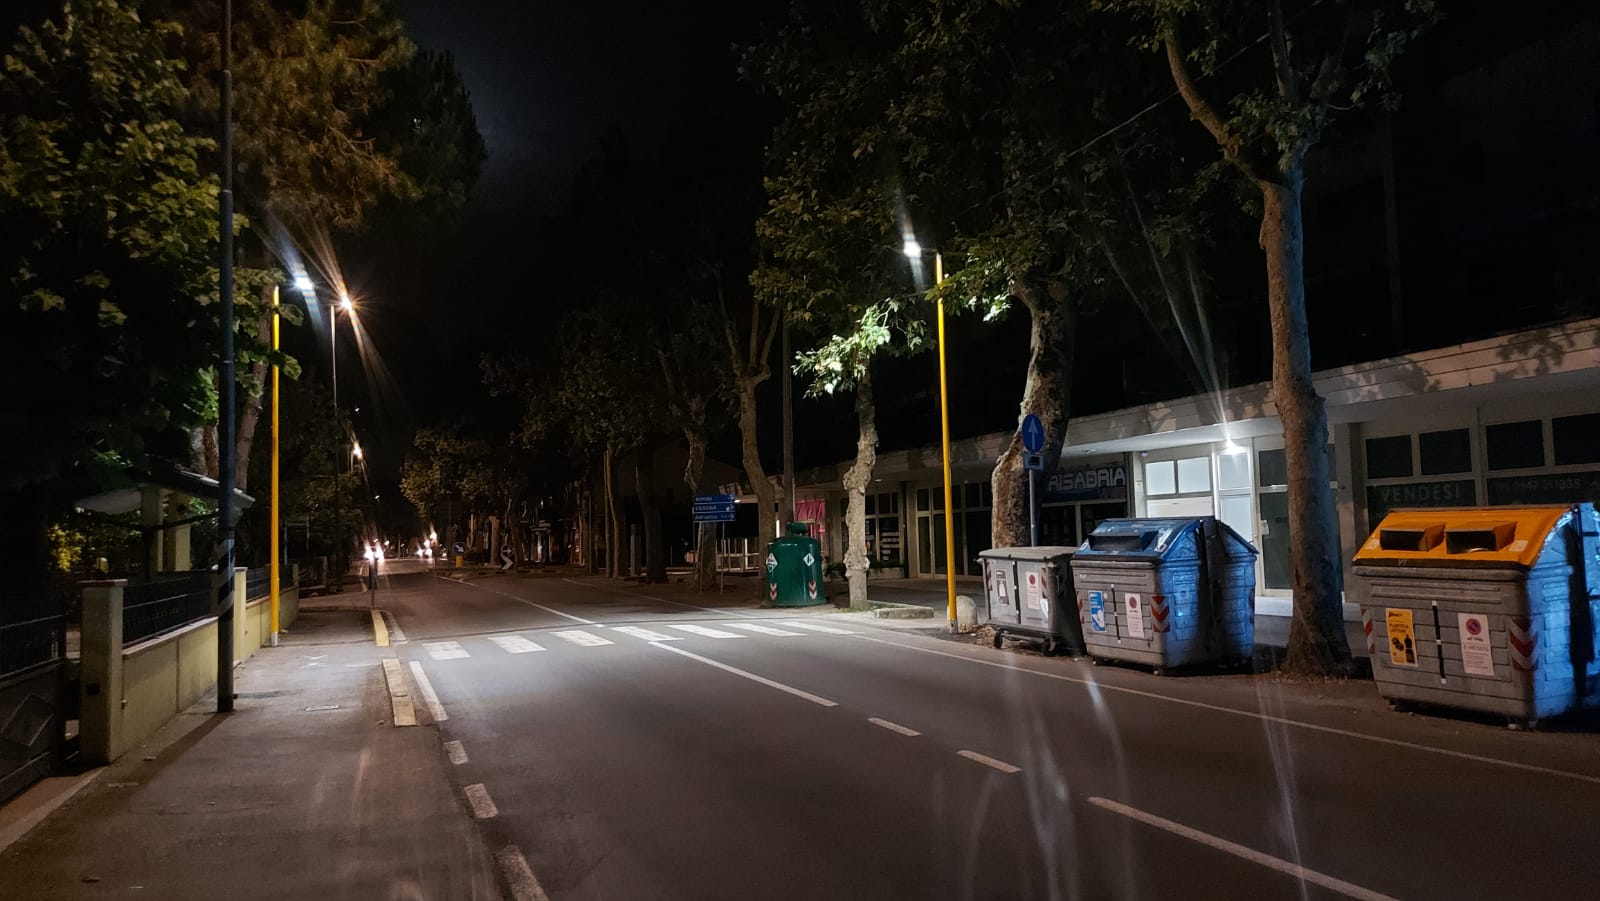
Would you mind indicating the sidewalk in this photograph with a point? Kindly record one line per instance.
(306, 790)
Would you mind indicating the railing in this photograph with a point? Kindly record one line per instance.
(150, 608)
(736, 555)
(33, 630)
(258, 582)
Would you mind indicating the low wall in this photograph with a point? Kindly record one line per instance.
(130, 692)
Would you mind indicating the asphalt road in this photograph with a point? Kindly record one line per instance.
(619, 745)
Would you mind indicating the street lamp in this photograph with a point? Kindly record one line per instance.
(349, 308)
(914, 252)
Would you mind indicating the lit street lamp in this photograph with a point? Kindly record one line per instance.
(349, 308)
(913, 252)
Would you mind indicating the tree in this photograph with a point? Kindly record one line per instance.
(1321, 60)
(107, 233)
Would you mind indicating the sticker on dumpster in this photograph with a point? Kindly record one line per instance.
(1162, 538)
(1001, 585)
(1134, 605)
(1518, 546)
(772, 562)
(772, 590)
(1033, 591)
(811, 588)
(1476, 657)
(1097, 611)
(809, 559)
(1402, 637)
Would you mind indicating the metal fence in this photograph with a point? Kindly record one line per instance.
(150, 608)
(257, 582)
(33, 630)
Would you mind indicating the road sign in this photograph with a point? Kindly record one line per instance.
(460, 547)
(714, 508)
(1032, 434)
(1033, 462)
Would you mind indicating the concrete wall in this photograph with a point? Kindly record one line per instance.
(130, 692)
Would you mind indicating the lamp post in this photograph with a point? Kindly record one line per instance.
(914, 251)
(342, 564)
(275, 578)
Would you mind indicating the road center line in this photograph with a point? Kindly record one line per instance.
(1264, 717)
(380, 631)
(514, 867)
(990, 762)
(1237, 850)
(482, 805)
(552, 610)
(748, 675)
(454, 750)
(893, 727)
(428, 695)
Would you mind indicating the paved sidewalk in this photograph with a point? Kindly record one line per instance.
(305, 791)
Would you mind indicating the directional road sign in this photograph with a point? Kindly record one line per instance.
(1032, 434)
(714, 508)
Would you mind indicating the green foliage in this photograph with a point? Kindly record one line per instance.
(447, 466)
(108, 240)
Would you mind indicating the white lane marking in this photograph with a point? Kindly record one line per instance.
(639, 594)
(1237, 850)
(446, 650)
(576, 619)
(816, 627)
(703, 630)
(428, 695)
(763, 630)
(482, 805)
(646, 634)
(401, 710)
(580, 637)
(454, 751)
(515, 644)
(748, 675)
(514, 867)
(396, 634)
(893, 727)
(988, 761)
(1251, 714)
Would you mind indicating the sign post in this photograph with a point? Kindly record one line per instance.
(1033, 462)
(717, 508)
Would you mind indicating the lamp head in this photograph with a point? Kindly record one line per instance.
(912, 249)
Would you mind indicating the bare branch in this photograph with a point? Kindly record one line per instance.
(1233, 145)
(1288, 84)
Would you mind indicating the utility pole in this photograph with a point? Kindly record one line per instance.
(225, 447)
(788, 507)
(276, 578)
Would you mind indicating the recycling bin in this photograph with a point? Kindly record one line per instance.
(1029, 594)
(1166, 592)
(794, 569)
(1495, 610)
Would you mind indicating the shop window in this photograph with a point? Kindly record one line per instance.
(1234, 509)
(1515, 445)
(1445, 452)
(1095, 514)
(1160, 478)
(1576, 439)
(1194, 475)
(972, 495)
(1389, 458)
(922, 500)
(1277, 568)
(1272, 467)
(1233, 471)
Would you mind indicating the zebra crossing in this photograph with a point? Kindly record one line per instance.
(601, 635)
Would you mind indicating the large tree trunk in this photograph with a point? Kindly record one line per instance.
(1317, 641)
(613, 518)
(705, 557)
(856, 480)
(766, 496)
(1047, 394)
(655, 556)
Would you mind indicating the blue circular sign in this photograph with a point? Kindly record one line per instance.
(1032, 434)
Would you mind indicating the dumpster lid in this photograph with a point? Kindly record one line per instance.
(1496, 537)
(1042, 552)
(1149, 539)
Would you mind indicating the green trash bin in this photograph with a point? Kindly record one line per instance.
(794, 569)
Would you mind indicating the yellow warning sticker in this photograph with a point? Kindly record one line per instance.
(1402, 637)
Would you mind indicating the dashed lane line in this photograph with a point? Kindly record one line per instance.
(550, 610)
(815, 699)
(482, 805)
(454, 750)
(1237, 850)
(514, 867)
(990, 762)
(429, 697)
(894, 727)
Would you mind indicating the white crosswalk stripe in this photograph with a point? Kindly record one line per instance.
(815, 627)
(515, 644)
(645, 634)
(704, 630)
(580, 637)
(762, 630)
(446, 650)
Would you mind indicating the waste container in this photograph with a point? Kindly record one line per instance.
(794, 569)
(1495, 610)
(1166, 592)
(1029, 593)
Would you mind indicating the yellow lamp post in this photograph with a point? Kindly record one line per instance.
(274, 549)
(914, 251)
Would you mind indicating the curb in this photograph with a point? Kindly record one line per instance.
(49, 795)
